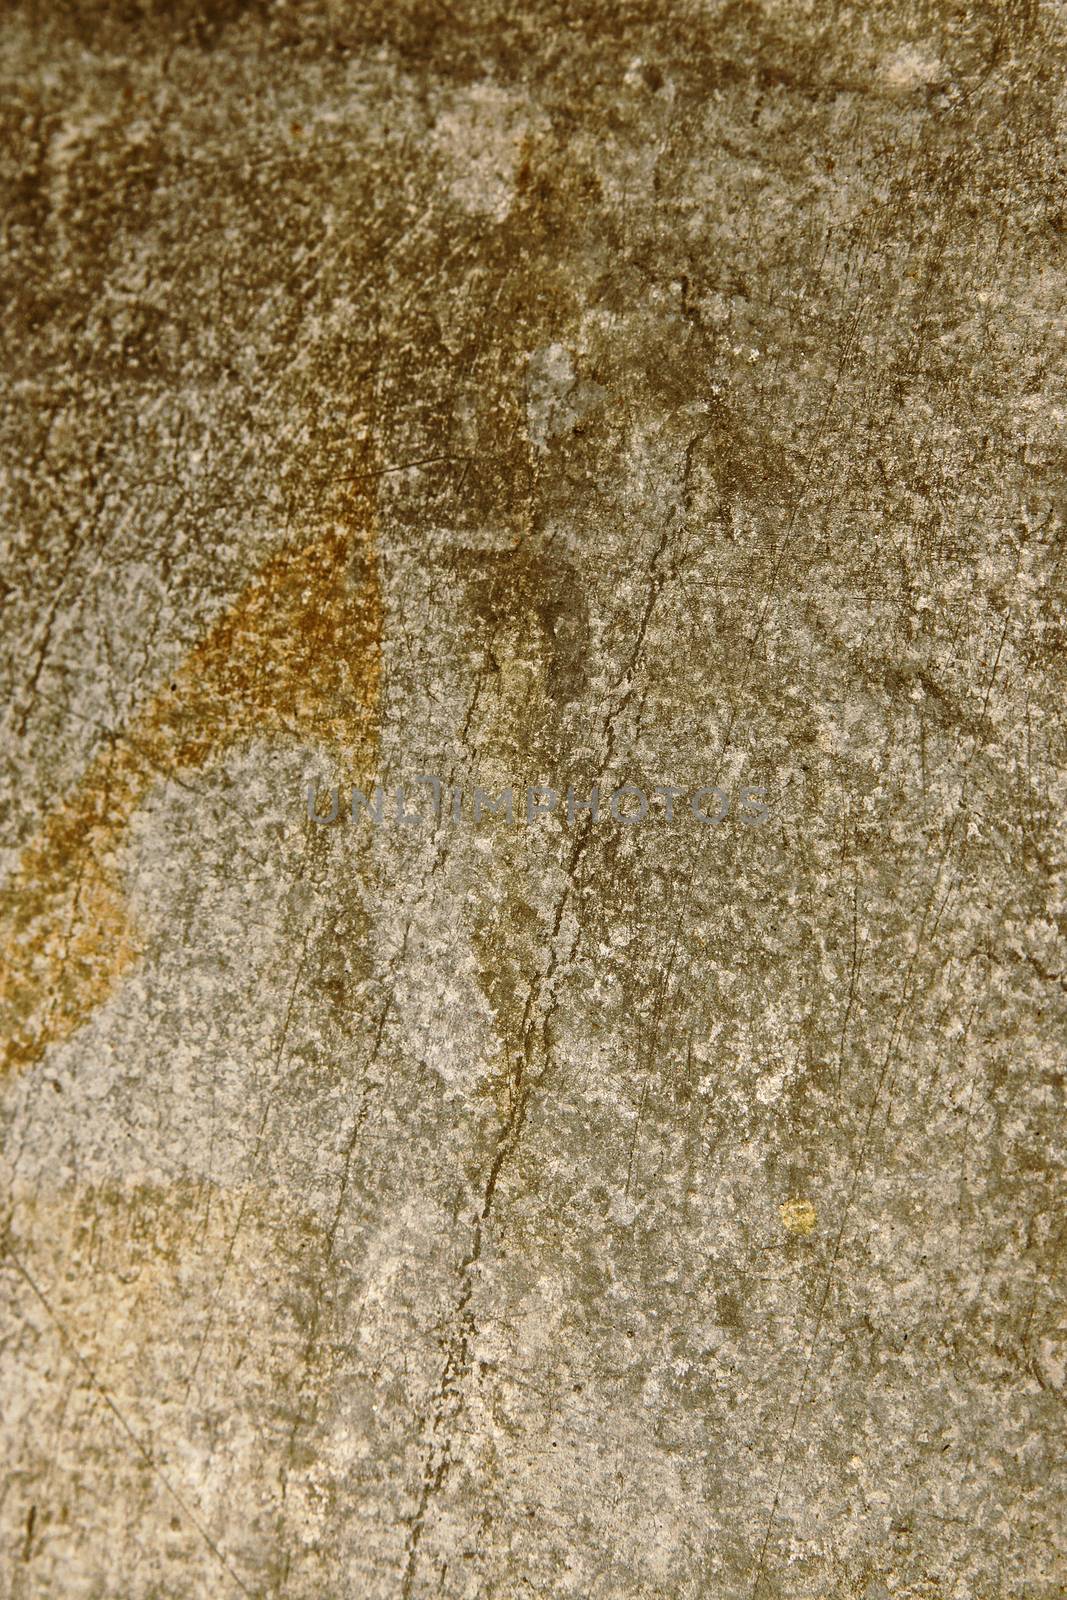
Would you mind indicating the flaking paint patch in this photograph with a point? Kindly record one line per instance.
(298, 655)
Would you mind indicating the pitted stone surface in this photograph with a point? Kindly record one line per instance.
(584, 396)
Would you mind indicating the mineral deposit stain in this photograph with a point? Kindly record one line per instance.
(798, 1216)
(296, 656)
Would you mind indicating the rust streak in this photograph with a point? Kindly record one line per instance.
(297, 655)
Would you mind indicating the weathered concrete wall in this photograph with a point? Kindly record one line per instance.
(633, 393)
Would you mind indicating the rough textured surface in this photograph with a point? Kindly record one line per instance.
(636, 393)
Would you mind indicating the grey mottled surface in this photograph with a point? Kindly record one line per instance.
(626, 393)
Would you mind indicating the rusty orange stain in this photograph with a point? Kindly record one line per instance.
(298, 654)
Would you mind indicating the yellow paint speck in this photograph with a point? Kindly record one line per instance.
(798, 1216)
